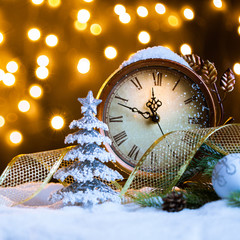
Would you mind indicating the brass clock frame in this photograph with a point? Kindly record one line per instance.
(119, 74)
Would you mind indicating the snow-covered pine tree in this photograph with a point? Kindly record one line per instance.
(87, 189)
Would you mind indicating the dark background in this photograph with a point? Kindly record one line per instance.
(212, 35)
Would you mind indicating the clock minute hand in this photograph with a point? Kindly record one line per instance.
(146, 115)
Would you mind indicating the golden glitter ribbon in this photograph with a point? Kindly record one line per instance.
(163, 164)
(24, 169)
(160, 167)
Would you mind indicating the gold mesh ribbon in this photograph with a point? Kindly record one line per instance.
(160, 167)
(35, 168)
(165, 161)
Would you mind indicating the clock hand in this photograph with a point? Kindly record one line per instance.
(146, 115)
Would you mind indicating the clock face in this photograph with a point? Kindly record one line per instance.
(149, 102)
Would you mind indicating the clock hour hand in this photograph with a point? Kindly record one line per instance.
(146, 115)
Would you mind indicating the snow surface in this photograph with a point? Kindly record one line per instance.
(39, 220)
(155, 52)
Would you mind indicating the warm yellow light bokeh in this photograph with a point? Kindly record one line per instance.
(142, 11)
(57, 122)
(80, 26)
(35, 91)
(23, 106)
(173, 21)
(110, 52)
(188, 14)
(83, 15)
(51, 40)
(119, 9)
(1, 38)
(34, 34)
(160, 8)
(125, 18)
(185, 49)
(88, 1)
(42, 60)
(2, 121)
(15, 137)
(42, 72)
(95, 29)
(236, 68)
(37, 2)
(54, 3)
(144, 37)
(12, 66)
(239, 30)
(9, 79)
(218, 3)
(83, 65)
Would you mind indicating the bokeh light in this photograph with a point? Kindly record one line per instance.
(23, 106)
(2, 121)
(80, 26)
(12, 66)
(34, 34)
(15, 137)
(119, 9)
(1, 38)
(95, 29)
(57, 122)
(173, 21)
(88, 1)
(185, 49)
(83, 65)
(236, 68)
(239, 30)
(51, 40)
(160, 8)
(142, 11)
(42, 72)
(83, 15)
(125, 18)
(54, 3)
(188, 13)
(35, 91)
(37, 2)
(9, 79)
(42, 60)
(218, 3)
(110, 52)
(144, 37)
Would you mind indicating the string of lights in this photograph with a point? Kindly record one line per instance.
(55, 50)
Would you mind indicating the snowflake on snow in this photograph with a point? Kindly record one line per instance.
(87, 188)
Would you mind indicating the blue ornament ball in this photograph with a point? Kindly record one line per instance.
(226, 175)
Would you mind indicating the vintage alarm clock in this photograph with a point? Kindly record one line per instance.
(147, 98)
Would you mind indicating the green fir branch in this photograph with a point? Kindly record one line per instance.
(197, 194)
(148, 200)
(234, 199)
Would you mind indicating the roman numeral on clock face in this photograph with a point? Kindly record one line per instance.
(189, 100)
(134, 152)
(136, 83)
(157, 78)
(120, 138)
(120, 98)
(116, 119)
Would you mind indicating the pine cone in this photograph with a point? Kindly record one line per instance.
(227, 81)
(174, 202)
(194, 61)
(209, 72)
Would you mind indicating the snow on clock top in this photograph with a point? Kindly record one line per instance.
(155, 52)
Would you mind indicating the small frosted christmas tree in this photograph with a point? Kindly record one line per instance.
(87, 189)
